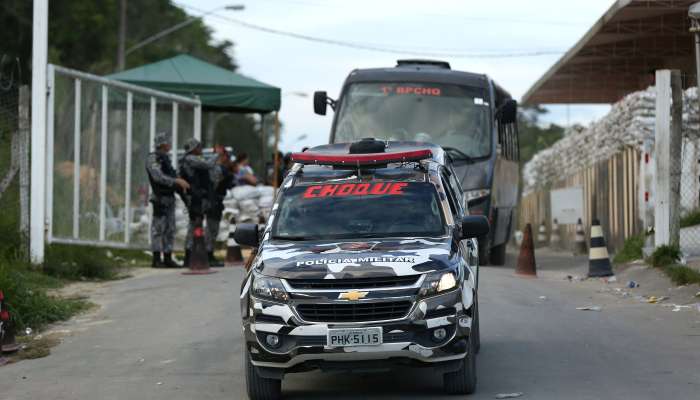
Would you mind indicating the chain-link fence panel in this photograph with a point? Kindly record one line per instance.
(102, 132)
(14, 159)
(690, 197)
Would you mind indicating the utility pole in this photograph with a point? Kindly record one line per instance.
(668, 138)
(40, 39)
(121, 49)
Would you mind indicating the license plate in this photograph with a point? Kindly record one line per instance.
(354, 337)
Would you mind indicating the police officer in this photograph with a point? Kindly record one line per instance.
(223, 177)
(164, 184)
(196, 170)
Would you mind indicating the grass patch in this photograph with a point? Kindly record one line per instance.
(682, 275)
(91, 263)
(26, 298)
(664, 256)
(632, 250)
(666, 259)
(692, 218)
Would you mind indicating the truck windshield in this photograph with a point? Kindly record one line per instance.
(451, 116)
(359, 210)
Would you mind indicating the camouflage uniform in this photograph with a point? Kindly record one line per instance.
(161, 175)
(222, 180)
(196, 170)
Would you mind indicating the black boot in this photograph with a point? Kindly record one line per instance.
(157, 263)
(186, 263)
(213, 262)
(168, 261)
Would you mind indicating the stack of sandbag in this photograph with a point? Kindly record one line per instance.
(267, 197)
(630, 123)
(247, 200)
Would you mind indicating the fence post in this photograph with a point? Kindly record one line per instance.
(669, 113)
(23, 112)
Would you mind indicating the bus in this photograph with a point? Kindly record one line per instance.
(467, 114)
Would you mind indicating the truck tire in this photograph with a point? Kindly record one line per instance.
(498, 254)
(462, 381)
(260, 388)
(484, 251)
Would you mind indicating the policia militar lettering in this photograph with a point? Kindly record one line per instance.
(164, 184)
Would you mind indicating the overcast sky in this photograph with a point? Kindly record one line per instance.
(474, 36)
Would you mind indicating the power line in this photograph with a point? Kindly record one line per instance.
(489, 20)
(377, 47)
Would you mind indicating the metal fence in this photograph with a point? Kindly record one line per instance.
(610, 194)
(14, 155)
(100, 132)
(619, 192)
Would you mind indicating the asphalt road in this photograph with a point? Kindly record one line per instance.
(169, 336)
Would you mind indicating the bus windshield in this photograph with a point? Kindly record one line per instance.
(454, 117)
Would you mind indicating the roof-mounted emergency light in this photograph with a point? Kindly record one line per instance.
(307, 158)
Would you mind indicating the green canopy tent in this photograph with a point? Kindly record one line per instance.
(217, 88)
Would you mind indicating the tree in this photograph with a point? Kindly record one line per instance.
(533, 136)
(84, 34)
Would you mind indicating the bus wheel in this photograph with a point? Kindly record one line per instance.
(484, 251)
(498, 254)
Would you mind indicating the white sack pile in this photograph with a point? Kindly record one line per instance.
(629, 123)
(241, 204)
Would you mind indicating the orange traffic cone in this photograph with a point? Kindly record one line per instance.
(7, 329)
(526, 260)
(199, 259)
(234, 255)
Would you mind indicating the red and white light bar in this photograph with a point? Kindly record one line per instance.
(361, 159)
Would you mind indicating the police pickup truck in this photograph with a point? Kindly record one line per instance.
(368, 260)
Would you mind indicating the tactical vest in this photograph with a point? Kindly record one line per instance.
(168, 170)
(200, 186)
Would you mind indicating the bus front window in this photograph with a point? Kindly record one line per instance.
(451, 116)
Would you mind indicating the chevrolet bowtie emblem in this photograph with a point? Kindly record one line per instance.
(352, 296)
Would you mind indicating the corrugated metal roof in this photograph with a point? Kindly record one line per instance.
(620, 53)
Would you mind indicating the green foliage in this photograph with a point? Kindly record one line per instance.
(690, 219)
(533, 136)
(682, 275)
(93, 263)
(664, 255)
(27, 300)
(632, 250)
(84, 34)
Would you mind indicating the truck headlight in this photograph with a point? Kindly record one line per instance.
(437, 282)
(267, 287)
(476, 194)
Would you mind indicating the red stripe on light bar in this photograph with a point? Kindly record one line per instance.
(360, 159)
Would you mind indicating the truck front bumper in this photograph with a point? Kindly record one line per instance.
(303, 346)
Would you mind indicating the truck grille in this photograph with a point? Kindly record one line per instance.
(354, 312)
(360, 283)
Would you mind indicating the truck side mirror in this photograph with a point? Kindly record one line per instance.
(508, 112)
(320, 103)
(247, 235)
(474, 226)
